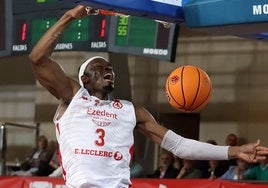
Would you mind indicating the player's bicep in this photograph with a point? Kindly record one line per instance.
(51, 76)
(143, 116)
(148, 125)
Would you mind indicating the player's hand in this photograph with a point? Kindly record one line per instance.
(252, 152)
(81, 11)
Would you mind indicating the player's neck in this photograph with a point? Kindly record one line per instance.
(100, 95)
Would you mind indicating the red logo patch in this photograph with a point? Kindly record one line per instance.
(118, 156)
(117, 105)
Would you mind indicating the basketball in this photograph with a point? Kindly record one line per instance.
(188, 88)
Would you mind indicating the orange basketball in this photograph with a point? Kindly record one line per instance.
(188, 88)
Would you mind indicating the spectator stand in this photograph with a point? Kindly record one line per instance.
(4, 143)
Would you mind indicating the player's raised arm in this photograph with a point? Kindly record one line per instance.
(46, 70)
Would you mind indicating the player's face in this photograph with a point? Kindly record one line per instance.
(101, 75)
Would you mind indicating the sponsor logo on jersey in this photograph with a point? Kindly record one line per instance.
(102, 113)
(101, 123)
(93, 152)
(100, 153)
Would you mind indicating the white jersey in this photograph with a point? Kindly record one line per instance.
(96, 140)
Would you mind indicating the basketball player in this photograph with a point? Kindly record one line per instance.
(94, 132)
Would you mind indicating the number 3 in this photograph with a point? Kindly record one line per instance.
(100, 141)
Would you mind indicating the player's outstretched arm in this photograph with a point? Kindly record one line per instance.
(193, 149)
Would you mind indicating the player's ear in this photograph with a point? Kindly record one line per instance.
(85, 79)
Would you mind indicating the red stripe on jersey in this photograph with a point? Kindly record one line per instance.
(58, 128)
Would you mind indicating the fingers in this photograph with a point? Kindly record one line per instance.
(91, 11)
(88, 9)
(254, 152)
(262, 152)
(257, 143)
(259, 154)
(257, 159)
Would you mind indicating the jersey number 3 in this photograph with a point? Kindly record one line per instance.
(100, 141)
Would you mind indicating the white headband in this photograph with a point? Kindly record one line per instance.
(84, 66)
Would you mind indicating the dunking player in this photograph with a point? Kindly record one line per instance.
(95, 133)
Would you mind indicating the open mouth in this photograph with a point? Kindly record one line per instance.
(108, 76)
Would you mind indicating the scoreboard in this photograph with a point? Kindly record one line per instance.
(99, 33)
(87, 34)
(145, 37)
